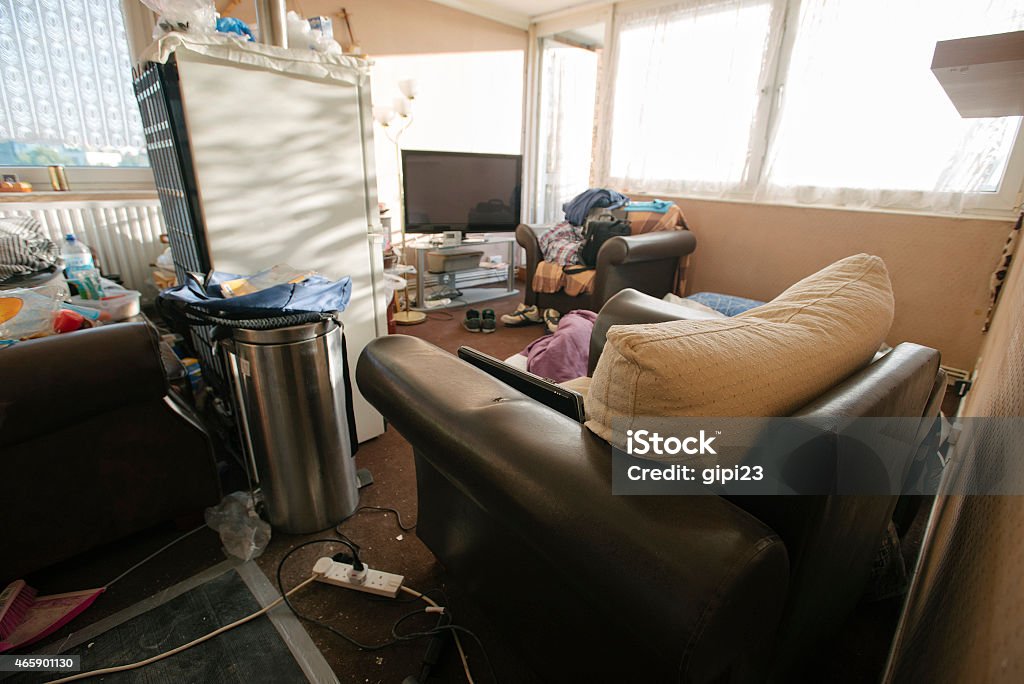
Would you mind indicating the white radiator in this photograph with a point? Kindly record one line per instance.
(124, 234)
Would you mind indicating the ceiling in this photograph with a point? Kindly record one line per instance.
(514, 12)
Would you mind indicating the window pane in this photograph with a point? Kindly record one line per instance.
(568, 90)
(688, 86)
(861, 108)
(65, 85)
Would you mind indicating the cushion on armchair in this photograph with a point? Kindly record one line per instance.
(766, 362)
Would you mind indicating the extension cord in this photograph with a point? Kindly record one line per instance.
(367, 580)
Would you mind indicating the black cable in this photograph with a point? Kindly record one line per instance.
(280, 586)
(401, 525)
(396, 637)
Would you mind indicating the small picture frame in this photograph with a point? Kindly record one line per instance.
(10, 178)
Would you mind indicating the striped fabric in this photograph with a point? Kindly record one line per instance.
(24, 249)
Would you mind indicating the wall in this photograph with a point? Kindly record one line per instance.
(940, 266)
(404, 27)
(469, 74)
(964, 618)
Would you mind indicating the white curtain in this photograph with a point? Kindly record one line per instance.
(65, 76)
(690, 99)
(568, 90)
(864, 122)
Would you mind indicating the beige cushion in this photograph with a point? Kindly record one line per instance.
(768, 361)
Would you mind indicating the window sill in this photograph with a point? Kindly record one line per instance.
(49, 196)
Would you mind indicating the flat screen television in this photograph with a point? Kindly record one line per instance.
(448, 191)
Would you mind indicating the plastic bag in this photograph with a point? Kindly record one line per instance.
(242, 532)
(183, 15)
(302, 35)
(26, 313)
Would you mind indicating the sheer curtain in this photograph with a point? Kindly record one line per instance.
(65, 77)
(864, 122)
(568, 91)
(689, 108)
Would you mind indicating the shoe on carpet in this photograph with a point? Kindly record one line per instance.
(487, 322)
(523, 315)
(472, 321)
(551, 319)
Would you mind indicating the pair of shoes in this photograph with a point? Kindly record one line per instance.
(551, 319)
(523, 315)
(477, 322)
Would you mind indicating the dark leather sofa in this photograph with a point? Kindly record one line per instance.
(515, 500)
(647, 263)
(93, 447)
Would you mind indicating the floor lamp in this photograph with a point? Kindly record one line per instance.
(385, 116)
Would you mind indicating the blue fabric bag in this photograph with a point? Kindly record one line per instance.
(312, 299)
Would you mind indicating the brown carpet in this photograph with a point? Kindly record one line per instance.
(383, 545)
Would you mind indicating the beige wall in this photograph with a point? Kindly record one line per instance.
(396, 27)
(964, 616)
(940, 266)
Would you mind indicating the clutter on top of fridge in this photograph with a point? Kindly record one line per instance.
(185, 16)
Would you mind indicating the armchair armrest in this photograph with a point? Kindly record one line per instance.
(627, 307)
(630, 249)
(77, 375)
(694, 579)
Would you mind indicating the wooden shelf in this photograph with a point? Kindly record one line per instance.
(983, 75)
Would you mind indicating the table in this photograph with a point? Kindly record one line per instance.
(467, 281)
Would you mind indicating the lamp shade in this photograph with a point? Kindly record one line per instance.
(408, 87)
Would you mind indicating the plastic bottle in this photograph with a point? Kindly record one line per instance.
(77, 256)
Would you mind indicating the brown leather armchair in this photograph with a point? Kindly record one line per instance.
(515, 500)
(93, 447)
(648, 263)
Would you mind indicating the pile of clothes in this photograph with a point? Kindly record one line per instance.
(563, 267)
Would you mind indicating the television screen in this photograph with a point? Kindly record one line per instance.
(461, 191)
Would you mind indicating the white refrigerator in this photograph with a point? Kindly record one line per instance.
(281, 144)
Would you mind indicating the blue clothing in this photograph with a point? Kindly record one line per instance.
(725, 304)
(654, 206)
(578, 207)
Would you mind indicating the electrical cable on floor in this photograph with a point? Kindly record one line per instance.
(183, 647)
(396, 638)
(458, 643)
(384, 509)
(151, 557)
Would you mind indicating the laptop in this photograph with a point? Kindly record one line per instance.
(565, 401)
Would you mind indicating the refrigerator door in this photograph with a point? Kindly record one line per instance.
(284, 166)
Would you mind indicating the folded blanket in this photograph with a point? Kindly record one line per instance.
(561, 244)
(550, 277)
(24, 248)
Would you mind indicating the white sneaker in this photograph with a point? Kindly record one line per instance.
(523, 315)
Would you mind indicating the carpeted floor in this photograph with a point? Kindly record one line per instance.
(383, 545)
(857, 655)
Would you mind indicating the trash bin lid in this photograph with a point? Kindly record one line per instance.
(288, 335)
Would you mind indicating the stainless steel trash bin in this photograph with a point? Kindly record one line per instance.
(290, 391)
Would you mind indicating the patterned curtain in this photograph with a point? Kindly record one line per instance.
(65, 75)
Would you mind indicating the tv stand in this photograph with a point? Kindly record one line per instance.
(470, 281)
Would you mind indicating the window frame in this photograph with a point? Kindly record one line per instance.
(1004, 203)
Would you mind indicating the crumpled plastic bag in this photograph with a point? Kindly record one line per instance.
(242, 532)
(27, 313)
(198, 16)
(302, 35)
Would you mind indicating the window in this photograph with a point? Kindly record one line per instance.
(65, 85)
(820, 101)
(568, 91)
(688, 94)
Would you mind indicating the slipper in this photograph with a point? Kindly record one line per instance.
(487, 322)
(472, 321)
(551, 319)
(523, 315)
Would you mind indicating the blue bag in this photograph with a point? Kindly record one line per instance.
(313, 299)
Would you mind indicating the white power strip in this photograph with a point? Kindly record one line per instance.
(369, 581)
